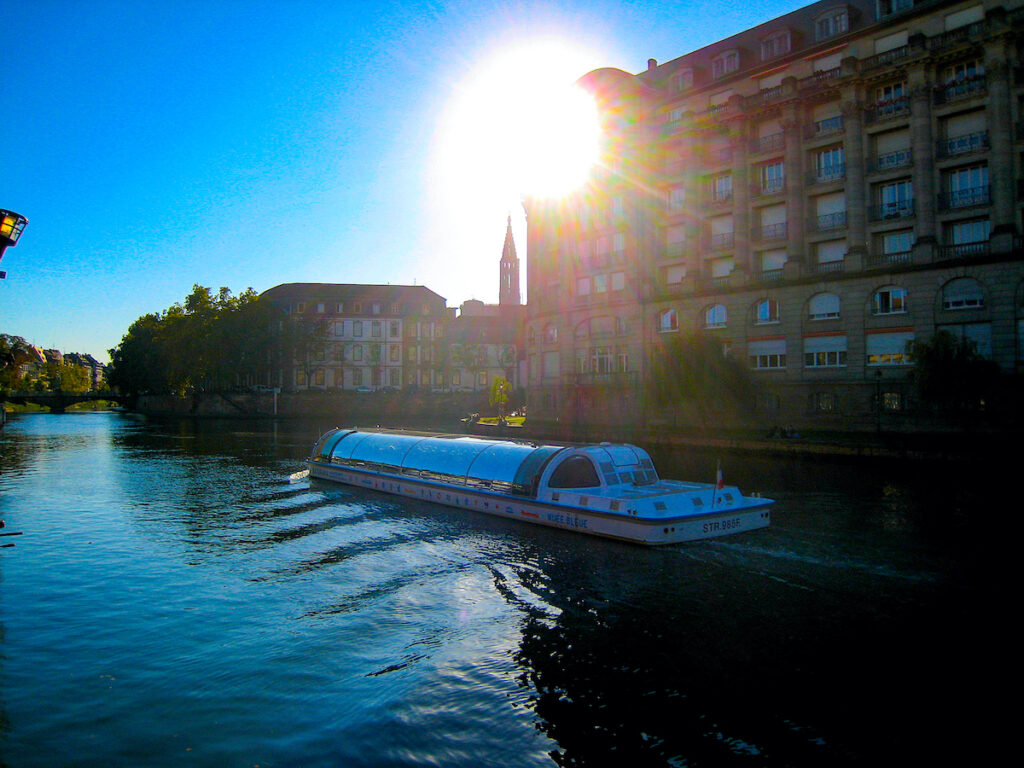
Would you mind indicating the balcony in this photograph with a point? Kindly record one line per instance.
(825, 267)
(827, 173)
(955, 37)
(828, 222)
(771, 275)
(889, 109)
(882, 260)
(885, 59)
(830, 126)
(722, 241)
(960, 89)
(770, 232)
(963, 250)
(772, 143)
(821, 79)
(901, 158)
(962, 145)
(902, 209)
(720, 197)
(965, 198)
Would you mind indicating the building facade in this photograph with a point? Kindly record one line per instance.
(351, 336)
(812, 194)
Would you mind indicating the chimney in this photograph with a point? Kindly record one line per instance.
(652, 64)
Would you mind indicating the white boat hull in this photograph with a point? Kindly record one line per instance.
(639, 530)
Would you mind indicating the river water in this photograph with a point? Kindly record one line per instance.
(176, 600)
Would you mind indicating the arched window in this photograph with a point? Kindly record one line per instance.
(889, 300)
(766, 312)
(668, 321)
(724, 63)
(774, 45)
(823, 306)
(575, 472)
(681, 81)
(715, 316)
(963, 293)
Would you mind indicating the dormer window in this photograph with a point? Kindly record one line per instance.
(831, 23)
(724, 63)
(681, 81)
(775, 45)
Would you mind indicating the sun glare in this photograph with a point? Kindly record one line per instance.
(519, 121)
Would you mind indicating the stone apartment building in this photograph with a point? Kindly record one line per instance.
(372, 335)
(812, 194)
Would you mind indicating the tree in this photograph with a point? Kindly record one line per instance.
(951, 375)
(14, 353)
(501, 391)
(693, 371)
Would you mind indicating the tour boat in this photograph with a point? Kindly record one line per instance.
(605, 489)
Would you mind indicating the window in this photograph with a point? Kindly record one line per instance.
(583, 286)
(766, 312)
(674, 274)
(715, 316)
(897, 242)
(889, 348)
(896, 200)
(963, 293)
(767, 353)
(357, 376)
(978, 334)
(551, 334)
(681, 81)
(823, 306)
(394, 329)
(774, 45)
(724, 63)
(721, 188)
(619, 246)
(889, 7)
(967, 232)
(832, 23)
(618, 281)
(668, 321)
(575, 472)
(676, 198)
(395, 353)
(825, 351)
(824, 402)
(301, 307)
(600, 360)
(963, 71)
(676, 240)
(830, 163)
(772, 177)
(890, 300)
(967, 186)
(375, 308)
(891, 99)
(375, 329)
(618, 207)
(357, 328)
(394, 376)
(339, 308)
(600, 283)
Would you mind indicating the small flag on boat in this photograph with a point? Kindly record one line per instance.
(719, 483)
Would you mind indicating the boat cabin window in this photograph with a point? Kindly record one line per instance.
(575, 472)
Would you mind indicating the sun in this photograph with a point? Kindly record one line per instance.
(519, 121)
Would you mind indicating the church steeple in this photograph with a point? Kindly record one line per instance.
(508, 290)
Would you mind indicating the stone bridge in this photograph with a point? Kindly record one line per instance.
(58, 402)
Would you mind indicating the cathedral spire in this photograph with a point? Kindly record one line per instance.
(508, 289)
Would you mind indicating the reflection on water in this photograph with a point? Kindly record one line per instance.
(176, 600)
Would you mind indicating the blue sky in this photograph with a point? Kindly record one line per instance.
(159, 143)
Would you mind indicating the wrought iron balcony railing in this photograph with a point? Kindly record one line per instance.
(965, 198)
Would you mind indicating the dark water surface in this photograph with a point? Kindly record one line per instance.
(175, 600)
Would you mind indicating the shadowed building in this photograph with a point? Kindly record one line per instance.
(810, 194)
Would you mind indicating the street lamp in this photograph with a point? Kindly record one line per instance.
(11, 226)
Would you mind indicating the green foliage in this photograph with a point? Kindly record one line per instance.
(951, 375)
(692, 370)
(14, 353)
(501, 391)
(205, 343)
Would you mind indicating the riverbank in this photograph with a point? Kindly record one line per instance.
(444, 412)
